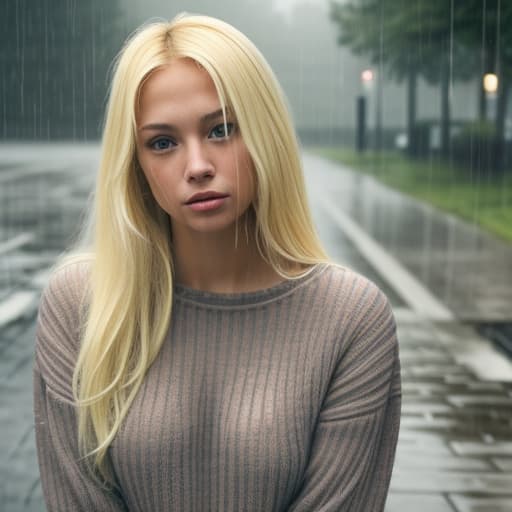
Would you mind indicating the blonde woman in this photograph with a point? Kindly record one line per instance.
(205, 355)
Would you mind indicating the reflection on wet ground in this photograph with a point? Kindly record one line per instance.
(465, 268)
(455, 446)
(42, 196)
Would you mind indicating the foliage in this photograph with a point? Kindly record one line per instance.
(479, 129)
(403, 34)
(486, 26)
(409, 39)
(477, 145)
(441, 40)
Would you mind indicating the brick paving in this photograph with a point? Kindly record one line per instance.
(455, 447)
(20, 489)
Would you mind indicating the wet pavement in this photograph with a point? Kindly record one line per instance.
(455, 446)
(468, 270)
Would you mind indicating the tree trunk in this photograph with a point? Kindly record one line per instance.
(501, 115)
(482, 102)
(377, 143)
(412, 133)
(445, 108)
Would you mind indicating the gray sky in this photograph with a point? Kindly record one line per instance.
(286, 6)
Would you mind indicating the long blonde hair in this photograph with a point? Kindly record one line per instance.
(131, 277)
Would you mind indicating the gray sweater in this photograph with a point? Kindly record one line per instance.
(285, 399)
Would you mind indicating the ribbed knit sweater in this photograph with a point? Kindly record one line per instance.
(285, 399)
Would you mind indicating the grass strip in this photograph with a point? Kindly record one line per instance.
(470, 193)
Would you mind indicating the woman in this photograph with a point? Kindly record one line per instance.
(205, 355)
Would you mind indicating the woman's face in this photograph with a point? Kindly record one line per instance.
(199, 173)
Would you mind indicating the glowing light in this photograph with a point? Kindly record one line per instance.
(490, 82)
(367, 75)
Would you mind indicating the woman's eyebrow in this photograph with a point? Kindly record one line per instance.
(203, 119)
(212, 115)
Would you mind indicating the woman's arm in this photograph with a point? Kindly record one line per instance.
(67, 483)
(352, 454)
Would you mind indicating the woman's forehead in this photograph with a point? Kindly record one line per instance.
(179, 87)
(177, 74)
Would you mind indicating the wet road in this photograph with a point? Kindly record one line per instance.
(455, 447)
(467, 270)
(43, 193)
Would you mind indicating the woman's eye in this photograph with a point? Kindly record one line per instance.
(219, 131)
(161, 144)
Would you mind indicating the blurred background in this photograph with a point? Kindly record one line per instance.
(403, 111)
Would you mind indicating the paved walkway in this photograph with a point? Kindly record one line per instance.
(466, 269)
(455, 446)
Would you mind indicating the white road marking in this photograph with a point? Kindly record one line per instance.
(32, 169)
(16, 242)
(15, 305)
(483, 358)
(41, 278)
(421, 300)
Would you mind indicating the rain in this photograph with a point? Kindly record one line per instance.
(404, 117)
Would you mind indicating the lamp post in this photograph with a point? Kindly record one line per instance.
(366, 81)
(367, 77)
(490, 83)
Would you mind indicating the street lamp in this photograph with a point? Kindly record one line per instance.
(367, 75)
(490, 83)
(366, 81)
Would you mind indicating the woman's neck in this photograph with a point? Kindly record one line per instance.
(216, 262)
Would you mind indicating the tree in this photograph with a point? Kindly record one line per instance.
(448, 58)
(55, 57)
(411, 39)
(486, 26)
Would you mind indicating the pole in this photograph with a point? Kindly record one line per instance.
(361, 124)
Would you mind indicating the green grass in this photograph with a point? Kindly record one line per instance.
(467, 193)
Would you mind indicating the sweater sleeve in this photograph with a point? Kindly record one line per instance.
(352, 453)
(67, 483)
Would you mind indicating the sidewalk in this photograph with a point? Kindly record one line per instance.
(20, 489)
(468, 270)
(43, 190)
(455, 446)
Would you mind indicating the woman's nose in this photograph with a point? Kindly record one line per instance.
(199, 165)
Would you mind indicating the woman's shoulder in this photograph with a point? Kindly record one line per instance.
(353, 299)
(60, 321)
(342, 283)
(361, 312)
(66, 289)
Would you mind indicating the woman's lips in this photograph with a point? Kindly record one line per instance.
(206, 204)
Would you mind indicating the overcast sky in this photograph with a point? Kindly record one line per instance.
(287, 5)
